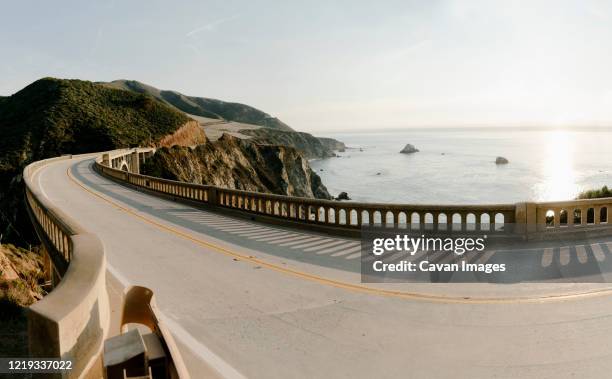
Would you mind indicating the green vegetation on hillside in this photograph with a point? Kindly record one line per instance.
(51, 117)
(205, 107)
(596, 194)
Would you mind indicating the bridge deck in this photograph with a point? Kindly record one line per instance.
(264, 301)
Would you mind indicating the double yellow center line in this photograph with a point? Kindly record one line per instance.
(340, 284)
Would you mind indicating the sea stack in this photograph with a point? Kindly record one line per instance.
(501, 160)
(409, 149)
(343, 196)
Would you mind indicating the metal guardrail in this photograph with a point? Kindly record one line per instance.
(140, 307)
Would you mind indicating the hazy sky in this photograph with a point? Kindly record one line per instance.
(324, 65)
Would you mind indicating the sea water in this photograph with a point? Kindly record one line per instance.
(457, 165)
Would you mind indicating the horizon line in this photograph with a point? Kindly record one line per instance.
(568, 127)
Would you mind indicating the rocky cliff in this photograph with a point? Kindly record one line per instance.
(332, 144)
(239, 164)
(309, 145)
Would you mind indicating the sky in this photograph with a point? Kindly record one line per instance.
(334, 65)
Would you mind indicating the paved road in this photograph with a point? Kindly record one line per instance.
(261, 301)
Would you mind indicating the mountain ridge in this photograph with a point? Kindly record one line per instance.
(203, 106)
(259, 126)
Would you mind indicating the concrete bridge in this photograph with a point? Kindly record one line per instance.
(258, 285)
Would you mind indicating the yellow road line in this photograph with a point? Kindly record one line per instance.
(345, 285)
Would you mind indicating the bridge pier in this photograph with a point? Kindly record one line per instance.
(212, 196)
(134, 162)
(525, 219)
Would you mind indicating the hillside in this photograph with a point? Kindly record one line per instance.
(332, 144)
(21, 280)
(240, 164)
(237, 119)
(51, 117)
(307, 144)
(205, 107)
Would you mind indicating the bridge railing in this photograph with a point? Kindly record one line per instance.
(354, 215)
(573, 215)
(328, 213)
(72, 321)
(530, 219)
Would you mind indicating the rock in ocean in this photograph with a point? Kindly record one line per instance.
(409, 149)
(501, 160)
(343, 196)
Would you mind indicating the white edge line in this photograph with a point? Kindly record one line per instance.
(196, 347)
(122, 279)
(38, 173)
(214, 361)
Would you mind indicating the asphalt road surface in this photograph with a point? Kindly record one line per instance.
(262, 301)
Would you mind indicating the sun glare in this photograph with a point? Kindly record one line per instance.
(558, 177)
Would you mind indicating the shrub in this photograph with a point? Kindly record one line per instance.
(596, 194)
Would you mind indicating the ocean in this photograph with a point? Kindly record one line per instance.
(457, 165)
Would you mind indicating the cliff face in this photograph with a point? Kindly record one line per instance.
(309, 145)
(332, 144)
(239, 164)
